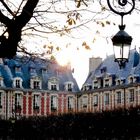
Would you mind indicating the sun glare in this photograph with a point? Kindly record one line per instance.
(64, 57)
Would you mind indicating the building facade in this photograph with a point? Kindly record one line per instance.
(38, 87)
(35, 87)
(108, 87)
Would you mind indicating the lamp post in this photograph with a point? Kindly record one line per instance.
(122, 40)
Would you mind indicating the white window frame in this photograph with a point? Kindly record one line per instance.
(119, 97)
(131, 95)
(37, 80)
(19, 100)
(85, 101)
(70, 102)
(53, 81)
(69, 86)
(106, 99)
(19, 84)
(95, 100)
(36, 101)
(54, 102)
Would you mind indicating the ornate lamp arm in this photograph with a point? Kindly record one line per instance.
(122, 3)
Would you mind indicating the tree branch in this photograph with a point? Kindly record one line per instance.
(26, 13)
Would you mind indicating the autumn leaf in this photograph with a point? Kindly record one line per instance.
(87, 47)
(57, 48)
(108, 22)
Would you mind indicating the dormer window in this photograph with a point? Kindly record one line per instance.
(36, 83)
(107, 83)
(120, 81)
(17, 83)
(68, 86)
(53, 87)
(131, 80)
(53, 84)
(95, 84)
(103, 70)
(87, 87)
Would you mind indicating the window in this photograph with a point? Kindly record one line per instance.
(0, 100)
(95, 84)
(131, 95)
(53, 87)
(17, 101)
(106, 83)
(36, 84)
(36, 102)
(131, 80)
(69, 87)
(53, 84)
(17, 83)
(85, 101)
(1, 82)
(95, 100)
(106, 99)
(70, 103)
(53, 103)
(119, 97)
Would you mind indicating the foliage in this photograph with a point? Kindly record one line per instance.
(30, 20)
(118, 124)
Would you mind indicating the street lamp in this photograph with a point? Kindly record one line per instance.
(122, 40)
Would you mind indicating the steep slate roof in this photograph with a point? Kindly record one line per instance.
(131, 68)
(8, 72)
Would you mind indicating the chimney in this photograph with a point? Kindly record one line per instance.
(94, 62)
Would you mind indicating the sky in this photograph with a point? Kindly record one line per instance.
(97, 37)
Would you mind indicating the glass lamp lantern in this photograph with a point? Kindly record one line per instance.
(121, 43)
(122, 40)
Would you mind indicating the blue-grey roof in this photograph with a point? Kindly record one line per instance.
(32, 67)
(112, 68)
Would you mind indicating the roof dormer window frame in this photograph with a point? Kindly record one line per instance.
(120, 81)
(95, 84)
(69, 86)
(131, 79)
(36, 82)
(107, 82)
(17, 82)
(53, 83)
